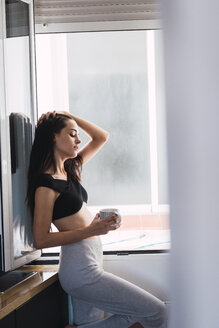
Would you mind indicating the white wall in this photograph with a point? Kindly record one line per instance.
(148, 271)
(192, 89)
(52, 78)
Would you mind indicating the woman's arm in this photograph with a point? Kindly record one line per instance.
(98, 137)
(43, 238)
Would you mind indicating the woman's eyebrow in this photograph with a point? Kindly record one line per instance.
(75, 130)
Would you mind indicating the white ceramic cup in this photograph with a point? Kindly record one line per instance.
(104, 213)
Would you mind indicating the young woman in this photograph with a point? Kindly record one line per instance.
(56, 195)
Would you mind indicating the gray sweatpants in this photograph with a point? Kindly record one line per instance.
(95, 291)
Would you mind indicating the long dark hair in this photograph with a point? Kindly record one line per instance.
(42, 154)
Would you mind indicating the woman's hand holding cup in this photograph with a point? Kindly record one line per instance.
(106, 212)
(101, 226)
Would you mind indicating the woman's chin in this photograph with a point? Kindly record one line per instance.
(71, 156)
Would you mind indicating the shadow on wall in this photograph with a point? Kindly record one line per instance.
(21, 143)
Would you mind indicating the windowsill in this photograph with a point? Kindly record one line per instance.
(139, 240)
(148, 233)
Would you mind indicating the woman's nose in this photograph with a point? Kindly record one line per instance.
(78, 140)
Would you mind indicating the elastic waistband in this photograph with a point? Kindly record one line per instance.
(80, 263)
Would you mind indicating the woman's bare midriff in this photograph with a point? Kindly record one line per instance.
(79, 220)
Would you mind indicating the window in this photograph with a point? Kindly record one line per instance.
(115, 80)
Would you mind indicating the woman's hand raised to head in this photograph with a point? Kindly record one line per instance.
(102, 226)
(46, 116)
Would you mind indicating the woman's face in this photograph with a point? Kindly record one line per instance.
(67, 140)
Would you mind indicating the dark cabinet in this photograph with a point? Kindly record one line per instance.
(8, 321)
(48, 309)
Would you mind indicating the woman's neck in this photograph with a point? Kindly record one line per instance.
(60, 171)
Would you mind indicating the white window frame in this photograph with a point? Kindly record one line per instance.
(154, 207)
(99, 26)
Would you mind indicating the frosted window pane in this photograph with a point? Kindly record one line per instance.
(108, 86)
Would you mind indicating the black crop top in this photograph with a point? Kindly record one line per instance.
(71, 197)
